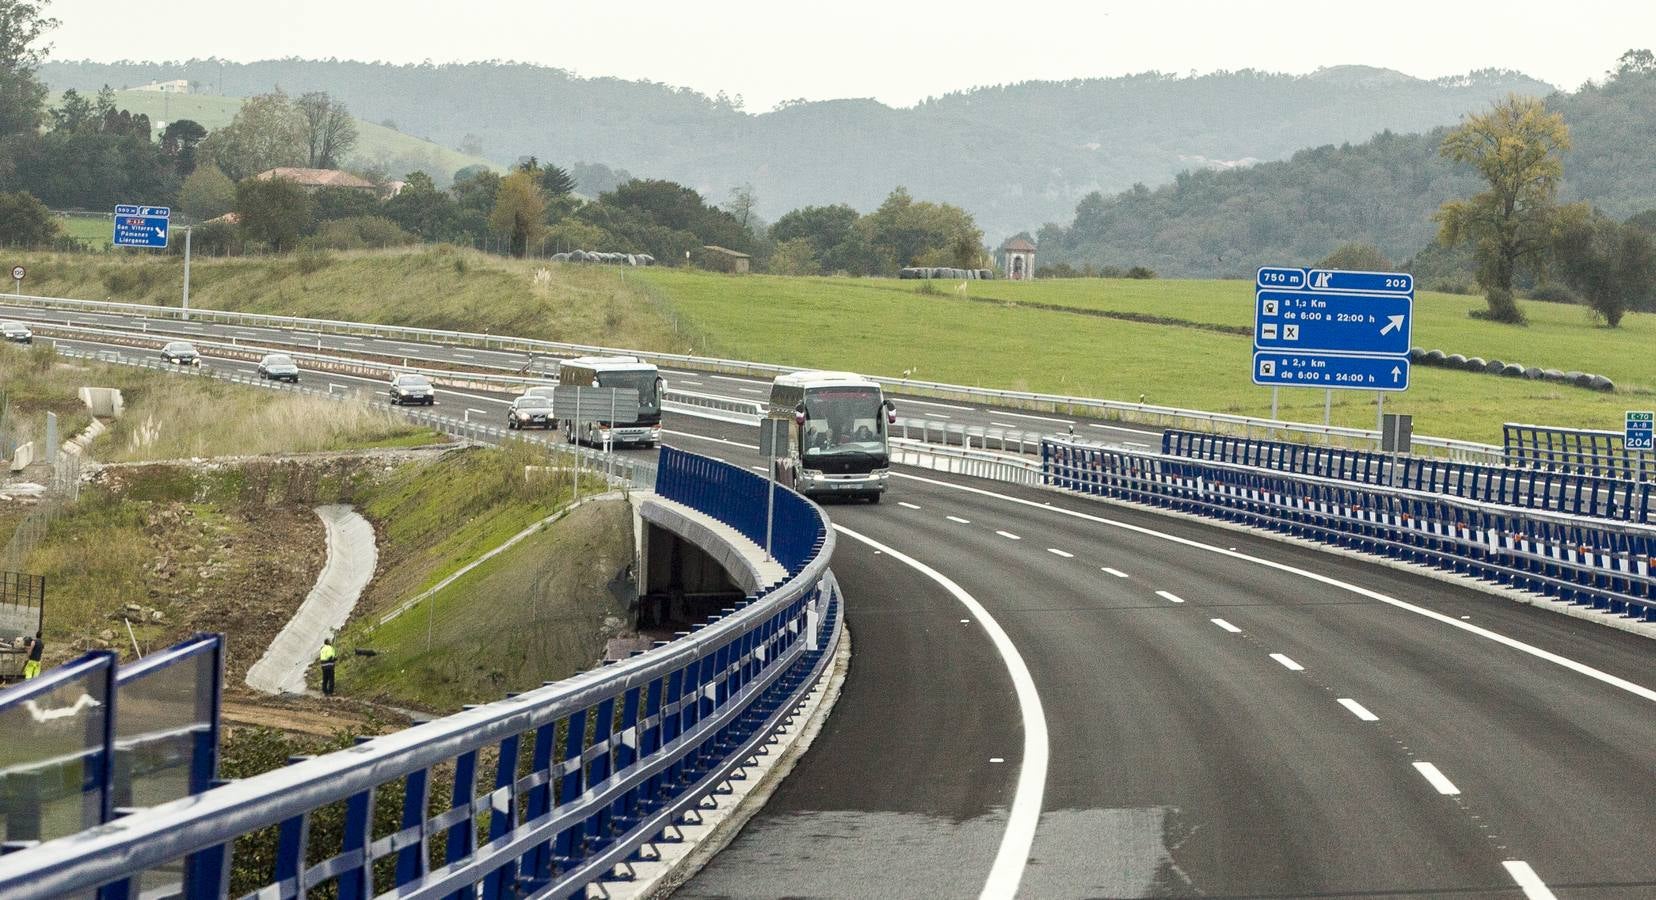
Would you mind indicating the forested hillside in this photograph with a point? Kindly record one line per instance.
(1383, 191)
(1015, 156)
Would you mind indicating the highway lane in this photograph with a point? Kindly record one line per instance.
(939, 413)
(1186, 757)
(1203, 764)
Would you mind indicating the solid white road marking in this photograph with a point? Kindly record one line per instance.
(908, 400)
(1025, 814)
(1287, 663)
(1436, 778)
(996, 759)
(1172, 597)
(937, 415)
(1116, 572)
(1623, 684)
(1003, 425)
(1056, 552)
(1009, 535)
(958, 519)
(1123, 428)
(688, 381)
(1226, 625)
(732, 378)
(906, 505)
(1358, 710)
(1002, 412)
(1534, 888)
(750, 390)
(758, 468)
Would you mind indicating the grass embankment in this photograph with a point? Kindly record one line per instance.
(534, 613)
(1080, 336)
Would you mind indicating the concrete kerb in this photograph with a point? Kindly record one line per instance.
(677, 863)
(1599, 617)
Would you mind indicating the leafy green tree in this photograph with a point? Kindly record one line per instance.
(475, 188)
(519, 210)
(1645, 221)
(796, 256)
(330, 130)
(1611, 266)
(423, 210)
(1357, 257)
(22, 96)
(345, 203)
(909, 232)
(839, 237)
(207, 194)
(25, 220)
(275, 212)
(358, 233)
(179, 140)
(1517, 148)
(267, 133)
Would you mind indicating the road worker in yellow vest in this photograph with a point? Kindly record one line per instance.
(326, 658)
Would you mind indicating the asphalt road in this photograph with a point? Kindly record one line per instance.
(1225, 716)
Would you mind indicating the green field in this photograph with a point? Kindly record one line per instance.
(375, 143)
(94, 231)
(1052, 336)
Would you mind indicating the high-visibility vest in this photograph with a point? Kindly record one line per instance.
(327, 655)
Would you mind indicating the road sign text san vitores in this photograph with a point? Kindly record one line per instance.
(1332, 328)
(141, 226)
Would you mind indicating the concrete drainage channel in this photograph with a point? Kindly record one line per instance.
(352, 556)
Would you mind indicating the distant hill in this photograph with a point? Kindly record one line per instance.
(1383, 191)
(377, 145)
(1015, 155)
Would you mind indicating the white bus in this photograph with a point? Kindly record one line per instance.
(837, 436)
(634, 423)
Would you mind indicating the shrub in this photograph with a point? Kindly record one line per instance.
(358, 233)
(1141, 272)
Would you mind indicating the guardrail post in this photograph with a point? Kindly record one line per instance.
(414, 860)
(462, 835)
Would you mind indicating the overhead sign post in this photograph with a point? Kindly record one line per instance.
(1332, 329)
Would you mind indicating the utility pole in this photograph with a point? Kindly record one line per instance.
(187, 273)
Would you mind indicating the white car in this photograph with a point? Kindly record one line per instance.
(16, 332)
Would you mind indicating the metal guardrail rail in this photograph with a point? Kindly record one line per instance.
(1099, 408)
(1581, 451)
(578, 776)
(1598, 563)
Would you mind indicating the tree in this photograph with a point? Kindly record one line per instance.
(22, 23)
(795, 256)
(330, 131)
(266, 133)
(519, 210)
(907, 232)
(1636, 62)
(207, 194)
(1357, 257)
(422, 209)
(1610, 265)
(275, 211)
(345, 203)
(556, 182)
(740, 205)
(1517, 148)
(179, 140)
(475, 188)
(25, 220)
(838, 236)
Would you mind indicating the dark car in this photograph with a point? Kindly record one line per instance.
(182, 353)
(530, 411)
(279, 367)
(412, 389)
(16, 332)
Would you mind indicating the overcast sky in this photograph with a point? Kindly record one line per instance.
(898, 52)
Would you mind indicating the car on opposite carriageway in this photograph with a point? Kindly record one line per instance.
(181, 353)
(16, 332)
(531, 411)
(409, 388)
(278, 367)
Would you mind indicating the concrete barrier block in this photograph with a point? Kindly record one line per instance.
(23, 457)
(105, 403)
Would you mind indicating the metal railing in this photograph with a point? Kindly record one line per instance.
(1601, 564)
(1089, 406)
(1578, 450)
(578, 777)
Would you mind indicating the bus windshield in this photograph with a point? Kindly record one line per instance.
(643, 382)
(843, 420)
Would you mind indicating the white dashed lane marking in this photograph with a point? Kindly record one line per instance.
(1436, 778)
(958, 519)
(1287, 663)
(906, 505)
(1226, 625)
(1056, 552)
(1174, 598)
(1009, 535)
(1116, 572)
(1358, 710)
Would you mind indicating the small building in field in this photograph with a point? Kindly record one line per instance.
(723, 259)
(314, 180)
(176, 86)
(1019, 260)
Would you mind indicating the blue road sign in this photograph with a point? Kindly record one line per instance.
(1360, 282)
(1274, 368)
(1329, 322)
(1641, 431)
(1279, 278)
(142, 226)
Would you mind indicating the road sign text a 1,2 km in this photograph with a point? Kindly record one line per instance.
(1331, 328)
